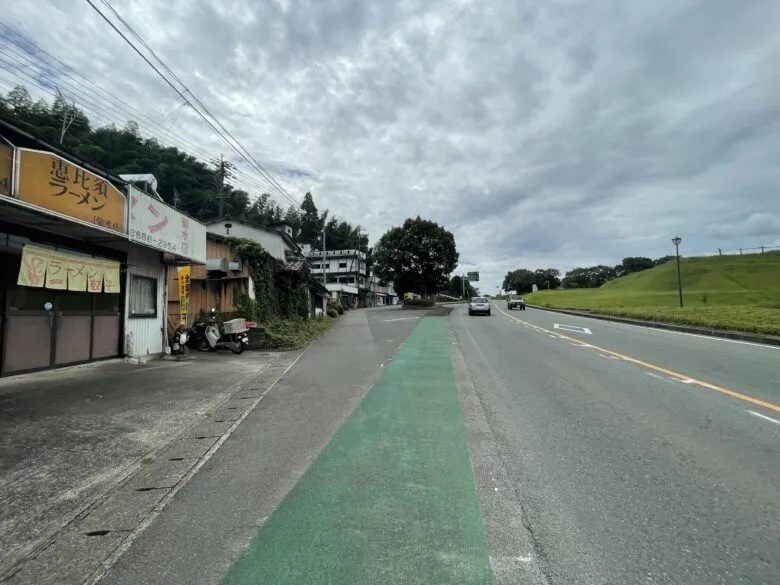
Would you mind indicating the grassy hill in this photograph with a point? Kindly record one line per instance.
(729, 292)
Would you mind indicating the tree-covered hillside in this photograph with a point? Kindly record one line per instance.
(194, 184)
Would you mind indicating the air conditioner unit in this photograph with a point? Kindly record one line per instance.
(235, 266)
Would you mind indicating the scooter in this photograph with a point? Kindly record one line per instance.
(207, 337)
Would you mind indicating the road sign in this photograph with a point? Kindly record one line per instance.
(472, 276)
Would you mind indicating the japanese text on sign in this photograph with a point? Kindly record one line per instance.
(51, 182)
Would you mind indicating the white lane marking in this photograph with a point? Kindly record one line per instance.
(665, 331)
(769, 418)
(573, 328)
(399, 319)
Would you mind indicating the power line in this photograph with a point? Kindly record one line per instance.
(194, 97)
(224, 134)
(39, 74)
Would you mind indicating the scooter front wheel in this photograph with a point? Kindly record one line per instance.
(203, 345)
(237, 347)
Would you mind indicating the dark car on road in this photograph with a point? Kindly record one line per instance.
(515, 302)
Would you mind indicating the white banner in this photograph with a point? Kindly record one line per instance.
(160, 226)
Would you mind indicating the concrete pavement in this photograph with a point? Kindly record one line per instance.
(88, 452)
(618, 476)
(215, 517)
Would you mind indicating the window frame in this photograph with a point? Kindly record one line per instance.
(156, 283)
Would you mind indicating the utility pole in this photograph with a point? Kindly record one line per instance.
(676, 241)
(224, 168)
(325, 262)
(176, 199)
(68, 115)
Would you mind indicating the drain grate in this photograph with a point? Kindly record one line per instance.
(97, 532)
(176, 459)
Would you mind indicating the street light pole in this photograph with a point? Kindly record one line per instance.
(676, 241)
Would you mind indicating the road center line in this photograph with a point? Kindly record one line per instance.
(671, 373)
(769, 418)
(400, 319)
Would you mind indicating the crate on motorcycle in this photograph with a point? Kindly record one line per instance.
(235, 326)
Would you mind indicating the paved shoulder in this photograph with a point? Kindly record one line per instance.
(392, 498)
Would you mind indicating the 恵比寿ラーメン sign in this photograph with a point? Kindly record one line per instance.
(56, 184)
(58, 270)
(157, 225)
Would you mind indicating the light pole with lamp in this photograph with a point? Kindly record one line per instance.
(676, 241)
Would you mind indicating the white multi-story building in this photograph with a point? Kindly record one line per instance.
(344, 272)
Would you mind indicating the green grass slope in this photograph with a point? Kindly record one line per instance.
(728, 292)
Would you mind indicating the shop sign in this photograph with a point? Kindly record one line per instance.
(54, 183)
(6, 165)
(44, 268)
(184, 292)
(157, 225)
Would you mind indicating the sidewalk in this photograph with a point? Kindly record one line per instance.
(92, 450)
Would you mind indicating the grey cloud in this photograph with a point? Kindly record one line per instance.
(552, 133)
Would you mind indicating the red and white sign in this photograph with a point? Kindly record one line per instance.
(160, 226)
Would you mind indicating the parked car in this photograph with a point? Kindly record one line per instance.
(479, 305)
(515, 302)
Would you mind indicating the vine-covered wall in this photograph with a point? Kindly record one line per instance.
(278, 294)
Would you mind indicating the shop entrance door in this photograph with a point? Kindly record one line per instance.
(47, 329)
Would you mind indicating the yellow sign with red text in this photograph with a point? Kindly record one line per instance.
(54, 183)
(44, 268)
(184, 292)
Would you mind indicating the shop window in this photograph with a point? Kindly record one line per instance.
(143, 296)
(342, 264)
(23, 298)
(107, 303)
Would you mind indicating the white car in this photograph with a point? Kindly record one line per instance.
(479, 306)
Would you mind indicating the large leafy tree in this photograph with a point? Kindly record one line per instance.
(520, 280)
(417, 257)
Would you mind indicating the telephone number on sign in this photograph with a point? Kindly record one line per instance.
(152, 241)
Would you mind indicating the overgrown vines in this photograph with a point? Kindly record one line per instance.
(277, 293)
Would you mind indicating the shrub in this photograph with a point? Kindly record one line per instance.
(427, 302)
(336, 307)
(332, 313)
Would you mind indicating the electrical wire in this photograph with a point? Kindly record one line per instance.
(224, 134)
(39, 73)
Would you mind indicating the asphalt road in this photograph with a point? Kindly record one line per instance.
(633, 455)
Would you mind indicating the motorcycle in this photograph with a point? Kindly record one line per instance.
(206, 335)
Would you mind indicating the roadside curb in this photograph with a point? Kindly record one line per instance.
(720, 333)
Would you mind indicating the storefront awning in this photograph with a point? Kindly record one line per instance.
(58, 270)
(16, 212)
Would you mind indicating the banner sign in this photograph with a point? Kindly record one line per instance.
(184, 292)
(44, 268)
(157, 225)
(54, 183)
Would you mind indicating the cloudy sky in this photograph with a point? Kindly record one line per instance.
(554, 133)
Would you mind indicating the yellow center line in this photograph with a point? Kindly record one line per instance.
(649, 366)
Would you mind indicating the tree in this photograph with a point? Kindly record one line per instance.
(547, 278)
(633, 264)
(663, 260)
(417, 257)
(457, 287)
(588, 277)
(311, 223)
(520, 281)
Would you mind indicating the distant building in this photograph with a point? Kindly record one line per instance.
(344, 273)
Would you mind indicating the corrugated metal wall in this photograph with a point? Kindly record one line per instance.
(144, 335)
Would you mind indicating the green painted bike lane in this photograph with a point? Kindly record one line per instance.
(392, 498)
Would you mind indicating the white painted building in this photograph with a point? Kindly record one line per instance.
(161, 238)
(277, 241)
